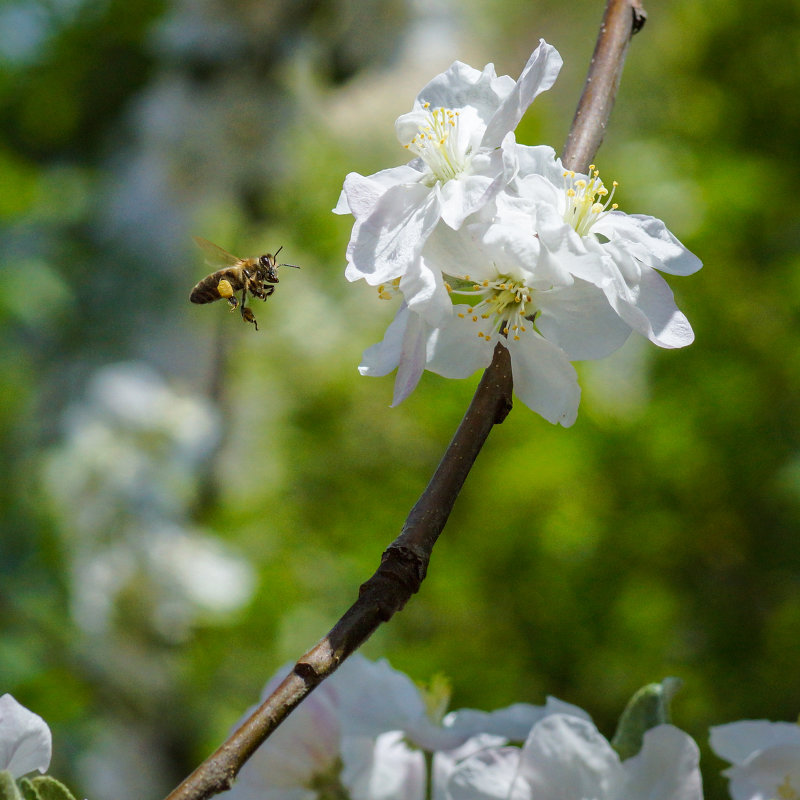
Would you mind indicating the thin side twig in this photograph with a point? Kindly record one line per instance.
(404, 563)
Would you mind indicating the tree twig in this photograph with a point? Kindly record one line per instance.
(622, 18)
(404, 563)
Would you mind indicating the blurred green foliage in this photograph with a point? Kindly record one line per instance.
(658, 536)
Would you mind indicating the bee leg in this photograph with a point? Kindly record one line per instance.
(247, 313)
(268, 290)
(248, 316)
(233, 302)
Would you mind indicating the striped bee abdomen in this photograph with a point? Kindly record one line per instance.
(209, 289)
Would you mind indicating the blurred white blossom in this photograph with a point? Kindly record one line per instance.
(765, 758)
(25, 740)
(363, 734)
(316, 753)
(566, 758)
(122, 484)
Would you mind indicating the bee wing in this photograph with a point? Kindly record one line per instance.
(216, 257)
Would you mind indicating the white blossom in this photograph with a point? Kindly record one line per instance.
(456, 132)
(320, 753)
(362, 733)
(584, 232)
(25, 740)
(566, 758)
(765, 758)
(506, 291)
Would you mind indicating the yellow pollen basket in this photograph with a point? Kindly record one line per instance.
(584, 200)
(224, 288)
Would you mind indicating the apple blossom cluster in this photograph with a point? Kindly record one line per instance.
(365, 734)
(487, 241)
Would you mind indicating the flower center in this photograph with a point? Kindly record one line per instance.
(386, 291)
(328, 785)
(786, 791)
(584, 200)
(505, 305)
(437, 143)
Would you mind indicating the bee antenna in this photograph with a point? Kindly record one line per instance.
(278, 251)
(289, 265)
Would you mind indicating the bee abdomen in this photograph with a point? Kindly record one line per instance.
(203, 293)
(215, 286)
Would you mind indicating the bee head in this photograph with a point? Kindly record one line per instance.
(267, 263)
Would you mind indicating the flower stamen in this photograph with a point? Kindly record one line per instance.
(504, 306)
(386, 291)
(437, 144)
(584, 200)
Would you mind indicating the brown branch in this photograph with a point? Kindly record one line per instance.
(404, 564)
(402, 570)
(622, 18)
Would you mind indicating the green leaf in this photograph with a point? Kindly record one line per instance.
(45, 787)
(8, 787)
(647, 708)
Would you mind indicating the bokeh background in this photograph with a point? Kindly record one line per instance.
(186, 504)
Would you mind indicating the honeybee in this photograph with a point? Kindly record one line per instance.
(255, 275)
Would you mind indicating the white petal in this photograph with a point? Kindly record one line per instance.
(658, 248)
(358, 196)
(382, 769)
(580, 320)
(770, 773)
(404, 347)
(666, 768)
(513, 723)
(25, 740)
(487, 775)
(360, 193)
(425, 293)
(538, 75)
(466, 195)
(377, 698)
(461, 86)
(566, 757)
(387, 241)
(508, 250)
(540, 161)
(544, 379)
(653, 312)
(412, 358)
(736, 741)
(456, 351)
(457, 253)
(382, 358)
